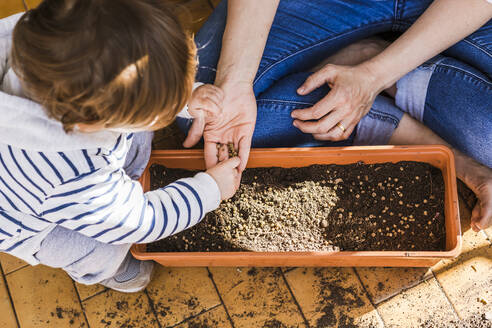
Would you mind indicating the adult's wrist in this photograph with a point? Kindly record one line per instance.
(379, 76)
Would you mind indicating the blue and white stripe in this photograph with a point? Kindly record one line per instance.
(89, 192)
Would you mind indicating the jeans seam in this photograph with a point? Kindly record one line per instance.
(471, 75)
(285, 102)
(479, 47)
(376, 114)
(317, 43)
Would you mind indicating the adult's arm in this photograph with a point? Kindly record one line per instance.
(443, 24)
(245, 35)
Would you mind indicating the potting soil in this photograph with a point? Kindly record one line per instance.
(357, 207)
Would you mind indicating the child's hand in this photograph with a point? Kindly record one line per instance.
(204, 106)
(227, 176)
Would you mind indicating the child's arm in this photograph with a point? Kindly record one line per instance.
(113, 209)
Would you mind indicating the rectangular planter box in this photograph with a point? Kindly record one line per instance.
(439, 156)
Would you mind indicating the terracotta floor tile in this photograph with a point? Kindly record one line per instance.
(411, 308)
(114, 309)
(332, 297)
(86, 291)
(467, 281)
(257, 297)
(178, 293)
(45, 297)
(10, 263)
(383, 283)
(216, 317)
(7, 317)
(10, 7)
(32, 3)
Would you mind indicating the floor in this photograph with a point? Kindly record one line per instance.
(450, 291)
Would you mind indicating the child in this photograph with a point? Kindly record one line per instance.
(87, 74)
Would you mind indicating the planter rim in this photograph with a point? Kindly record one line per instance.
(433, 154)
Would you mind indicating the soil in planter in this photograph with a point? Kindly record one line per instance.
(320, 208)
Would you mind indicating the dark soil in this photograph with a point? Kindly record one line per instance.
(320, 208)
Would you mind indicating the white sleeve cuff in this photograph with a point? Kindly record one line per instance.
(208, 190)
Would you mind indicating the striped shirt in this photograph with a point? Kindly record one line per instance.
(76, 180)
(88, 191)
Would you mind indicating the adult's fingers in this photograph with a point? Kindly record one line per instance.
(321, 126)
(208, 105)
(223, 152)
(210, 152)
(195, 133)
(244, 148)
(317, 79)
(336, 133)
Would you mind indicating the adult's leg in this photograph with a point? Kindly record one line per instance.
(475, 49)
(454, 100)
(274, 124)
(303, 33)
(476, 176)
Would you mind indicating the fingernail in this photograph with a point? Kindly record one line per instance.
(295, 123)
(301, 90)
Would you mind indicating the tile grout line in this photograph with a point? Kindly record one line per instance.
(80, 302)
(196, 315)
(15, 270)
(4, 277)
(446, 295)
(306, 322)
(211, 277)
(369, 297)
(151, 304)
(96, 294)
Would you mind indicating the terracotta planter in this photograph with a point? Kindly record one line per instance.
(439, 156)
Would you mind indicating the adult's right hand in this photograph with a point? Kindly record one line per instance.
(234, 125)
(353, 90)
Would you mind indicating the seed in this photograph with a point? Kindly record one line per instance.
(425, 201)
(373, 194)
(383, 198)
(417, 177)
(396, 180)
(401, 168)
(391, 213)
(357, 196)
(340, 215)
(324, 223)
(400, 202)
(390, 234)
(425, 212)
(373, 234)
(429, 222)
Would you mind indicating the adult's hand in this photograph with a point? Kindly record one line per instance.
(353, 90)
(235, 124)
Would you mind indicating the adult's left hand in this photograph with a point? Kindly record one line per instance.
(353, 90)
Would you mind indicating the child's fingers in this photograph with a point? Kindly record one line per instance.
(475, 217)
(232, 163)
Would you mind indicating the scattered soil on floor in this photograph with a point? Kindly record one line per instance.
(475, 321)
(320, 208)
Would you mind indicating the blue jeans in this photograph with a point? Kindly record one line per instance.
(306, 32)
